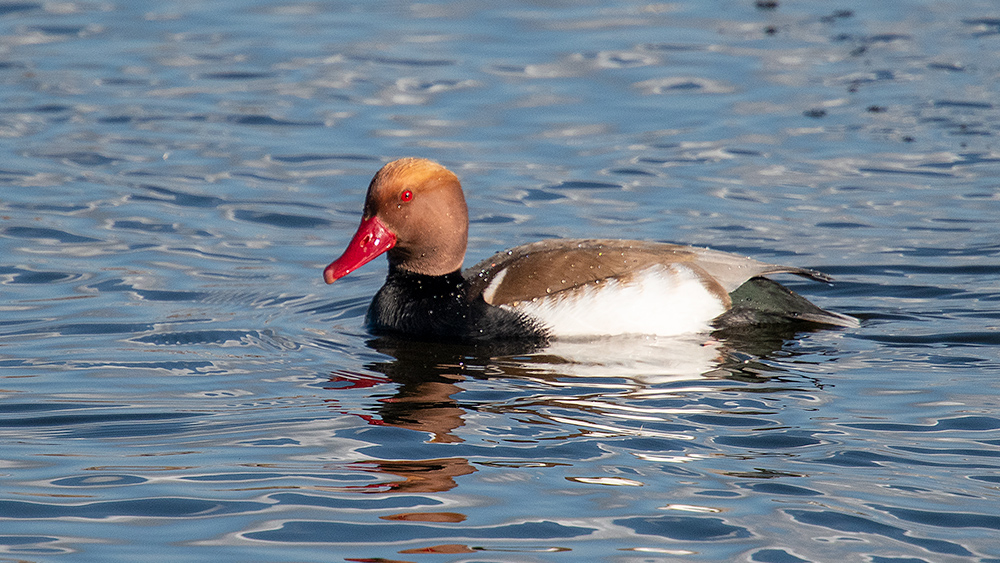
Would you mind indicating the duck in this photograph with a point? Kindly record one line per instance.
(415, 213)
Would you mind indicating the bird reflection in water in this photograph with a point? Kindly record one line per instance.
(428, 377)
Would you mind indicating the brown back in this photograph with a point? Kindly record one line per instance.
(552, 266)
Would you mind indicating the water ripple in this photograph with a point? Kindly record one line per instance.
(851, 524)
(146, 508)
(306, 532)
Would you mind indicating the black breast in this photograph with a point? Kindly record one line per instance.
(444, 308)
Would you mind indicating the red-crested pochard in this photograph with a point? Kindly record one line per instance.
(415, 213)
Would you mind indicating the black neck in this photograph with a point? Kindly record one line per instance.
(423, 286)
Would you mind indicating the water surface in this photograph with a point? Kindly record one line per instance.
(177, 381)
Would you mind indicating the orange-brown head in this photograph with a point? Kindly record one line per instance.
(415, 211)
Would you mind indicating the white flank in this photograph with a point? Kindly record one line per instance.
(661, 300)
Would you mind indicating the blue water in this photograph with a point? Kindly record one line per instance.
(178, 383)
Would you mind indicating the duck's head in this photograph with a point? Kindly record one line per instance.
(414, 211)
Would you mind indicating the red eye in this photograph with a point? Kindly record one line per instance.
(407, 195)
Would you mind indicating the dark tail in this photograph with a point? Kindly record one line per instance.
(762, 301)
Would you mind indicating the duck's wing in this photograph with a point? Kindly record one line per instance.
(548, 267)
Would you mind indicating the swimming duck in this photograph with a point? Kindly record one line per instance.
(415, 213)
